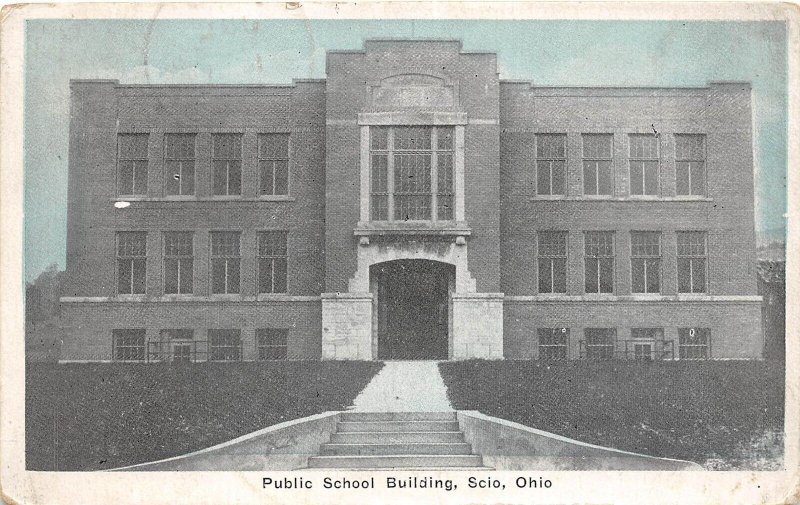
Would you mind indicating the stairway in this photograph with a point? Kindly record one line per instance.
(407, 440)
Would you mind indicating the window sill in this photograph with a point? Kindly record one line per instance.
(218, 198)
(440, 228)
(635, 198)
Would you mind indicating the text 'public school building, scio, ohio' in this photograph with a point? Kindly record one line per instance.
(412, 205)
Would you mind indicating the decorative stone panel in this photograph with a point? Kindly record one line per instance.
(347, 326)
(477, 326)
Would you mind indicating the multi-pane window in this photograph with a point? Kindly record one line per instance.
(553, 343)
(690, 164)
(645, 262)
(132, 164)
(692, 259)
(600, 342)
(643, 346)
(272, 262)
(178, 263)
(176, 345)
(552, 262)
(272, 343)
(551, 159)
(128, 345)
(224, 345)
(225, 262)
(444, 170)
(131, 262)
(411, 172)
(599, 261)
(694, 343)
(273, 163)
(226, 153)
(598, 174)
(644, 164)
(179, 155)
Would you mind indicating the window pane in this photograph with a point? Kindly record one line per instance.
(412, 137)
(218, 276)
(637, 275)
(445, 208)
(139, 276)
(280, 275)
(637, 178)
(233, 275)
(552, 243)
(171, 272)
(187, 276)
(273, 146)
(653, 275)
(444, 168)
(545, 276)
(597, 145)
(559, 178)
(266, 169)
(644, 146)
(683, 186)
(560, 275)
(220, 177)
(698, 275)
(590, 169)
(551, 146)
(235, 178)
(379, 168)
(591, 275)
(605, 182)
(543, 178)
(444, 138)
(606, 275)
(282, 177)
(125, 178)
(124, 275)
(698, 178)
(379, 138)
(651, 178)
(227, 145)
(380, 207)
(265, 275)
(690, 147)
(684, 275)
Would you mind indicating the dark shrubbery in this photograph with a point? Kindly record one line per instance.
(99, 416)
(721, 414)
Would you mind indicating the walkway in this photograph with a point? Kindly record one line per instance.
(405, 386)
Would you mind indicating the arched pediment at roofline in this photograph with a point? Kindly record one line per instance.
(413, 90)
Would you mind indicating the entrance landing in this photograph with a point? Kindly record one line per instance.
(405, 386)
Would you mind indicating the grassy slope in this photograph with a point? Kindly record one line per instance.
(722, 414)
(97, 416)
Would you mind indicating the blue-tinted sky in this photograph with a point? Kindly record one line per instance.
(591, 53)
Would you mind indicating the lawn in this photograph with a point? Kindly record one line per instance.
(724, 415)
(98, 416)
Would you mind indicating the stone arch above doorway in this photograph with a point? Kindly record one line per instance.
(444, 252)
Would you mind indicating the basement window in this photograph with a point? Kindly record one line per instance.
(128, 344)
(272, 343)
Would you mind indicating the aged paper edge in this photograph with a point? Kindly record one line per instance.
(21, 486)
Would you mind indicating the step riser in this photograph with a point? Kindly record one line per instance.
(398, 416)
(394, 462)
(394, 449)
(396, 438)
(383, 426)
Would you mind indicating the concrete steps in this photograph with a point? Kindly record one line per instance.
(385, 440)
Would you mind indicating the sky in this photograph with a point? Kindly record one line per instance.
(558, 53)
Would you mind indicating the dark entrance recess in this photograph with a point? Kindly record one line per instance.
(412, 308)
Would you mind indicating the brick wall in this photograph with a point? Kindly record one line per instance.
(102, 109)
(721, 112)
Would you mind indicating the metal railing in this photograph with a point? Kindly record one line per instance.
(639, 350)
(191, 351)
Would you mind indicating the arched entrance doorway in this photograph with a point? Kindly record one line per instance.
(412, 312)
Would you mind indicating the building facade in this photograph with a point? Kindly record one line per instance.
(411, 205)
